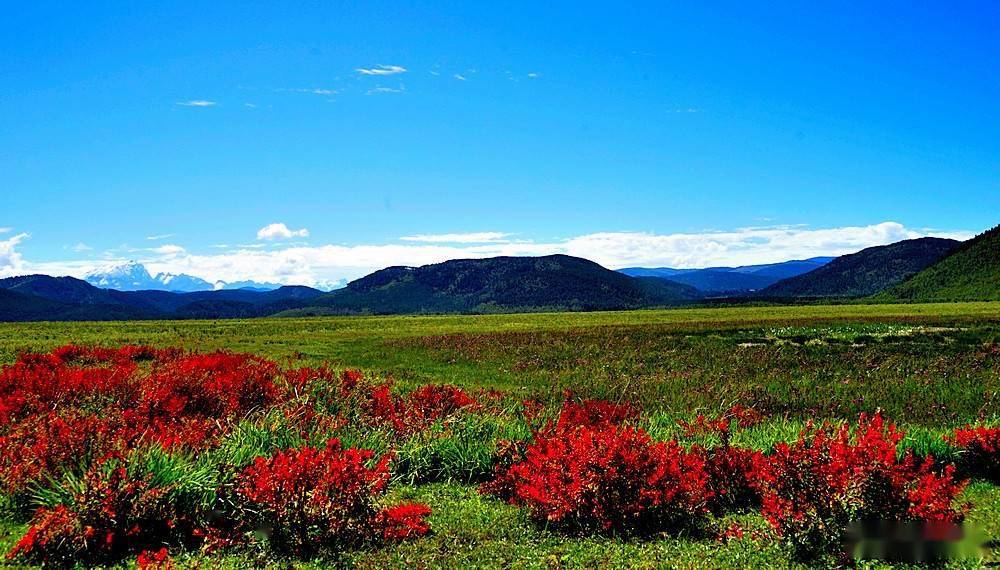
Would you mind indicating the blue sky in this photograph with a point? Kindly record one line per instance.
(653, 134)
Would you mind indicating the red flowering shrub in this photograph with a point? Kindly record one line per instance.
(607, 479)
(733, 478)
(594, 414)
(404, 521)
(216, 385)
(732, 471)
(814, 488)
(307, 498)
(109, 515)
(980, 450)
(37, 383)
(419, 409)
(44, 445)
(148, 560)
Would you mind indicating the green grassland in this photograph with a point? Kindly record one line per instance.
(930, 367)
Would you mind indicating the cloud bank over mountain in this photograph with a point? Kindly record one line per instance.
(329, 264)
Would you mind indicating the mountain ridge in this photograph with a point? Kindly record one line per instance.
(865, 272)
(971, 272)
(554, 282)
(723, 281)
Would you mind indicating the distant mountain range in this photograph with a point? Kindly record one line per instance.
(866, 272)
(730, 281)
(133, 276)
(971, 272)
(926, 269)
(41, 297)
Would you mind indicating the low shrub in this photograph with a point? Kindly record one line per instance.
(108, 514)
(607, 479)
(307, 500)
(815, 487)
(980, 451)
(732, 471)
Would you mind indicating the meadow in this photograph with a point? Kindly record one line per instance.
(930, 368)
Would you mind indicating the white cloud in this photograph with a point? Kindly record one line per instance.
(386, 90)
(534, 75)
(81, 247)
(311, 265)
(381, 70)
(312, 91)
(168, 250)
(11, 262)
(159, 237)
(197, 103)
(460, 77)
(6, 230)
(474, 237)
(280, 231)
(738, 247)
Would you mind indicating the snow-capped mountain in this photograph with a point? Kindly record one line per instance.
(130, 276)
(133, 276)
(185, 283)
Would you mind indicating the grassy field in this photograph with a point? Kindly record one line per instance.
(929, 367)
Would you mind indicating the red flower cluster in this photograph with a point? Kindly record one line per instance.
(79, 403)
(110, 513)
(593, 414)
(596, 476)
(733, 471)
(159, 560)
(402, 522)
(309, 498)
(980, 450)
(815, 487)
(418, 410)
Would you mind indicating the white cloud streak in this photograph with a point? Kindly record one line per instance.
(197, 103)
(474, 237)
(311, 265)
(312, 91)
(385, 90)
(381, 70)
(278, 231)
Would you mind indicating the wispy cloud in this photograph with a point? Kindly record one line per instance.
(473, 237)
(280, 231)
(312, 91)
(159, 237)
(534, 75)
(81, 247)
(197, 103)
(6, 230)
(375, 90)
(460, 77)
(381, 70)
